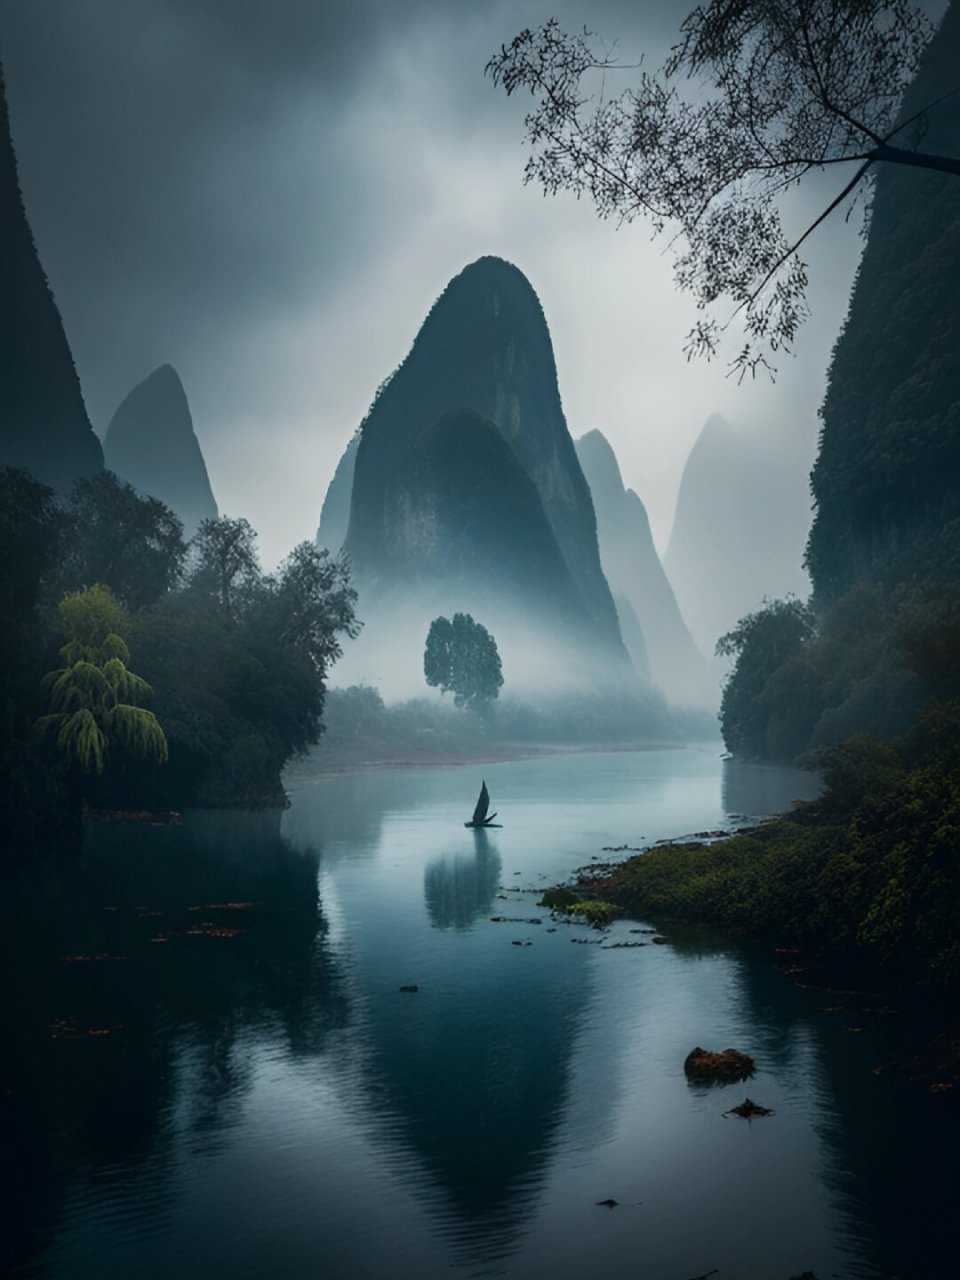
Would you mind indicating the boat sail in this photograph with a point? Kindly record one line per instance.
(480, 818)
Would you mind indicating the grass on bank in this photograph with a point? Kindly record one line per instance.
(870, 870)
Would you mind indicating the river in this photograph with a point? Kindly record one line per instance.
(212, 1069)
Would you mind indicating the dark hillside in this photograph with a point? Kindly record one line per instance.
(43, 422)
(887, 479)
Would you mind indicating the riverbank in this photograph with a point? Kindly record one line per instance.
(859, 891)
(322, 764)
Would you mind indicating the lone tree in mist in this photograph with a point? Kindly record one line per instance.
(461, 657)
(755, 96)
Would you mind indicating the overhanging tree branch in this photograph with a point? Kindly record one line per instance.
(772, 90)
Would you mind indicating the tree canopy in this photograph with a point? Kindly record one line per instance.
(755, 96)
(131, 543)
(461, 657)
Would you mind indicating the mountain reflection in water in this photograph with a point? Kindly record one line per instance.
(214, 1069)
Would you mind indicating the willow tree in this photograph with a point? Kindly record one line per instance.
(754, 98)
(94, 698)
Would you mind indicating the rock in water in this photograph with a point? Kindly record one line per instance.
(727, 1067)
(152, 445)
(44, 426)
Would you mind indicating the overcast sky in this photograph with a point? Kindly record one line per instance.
(270, 195)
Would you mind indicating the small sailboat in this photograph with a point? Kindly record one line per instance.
(480, 818)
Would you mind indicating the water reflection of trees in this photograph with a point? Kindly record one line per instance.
(756, 790)
(460, 887)
(140, 980)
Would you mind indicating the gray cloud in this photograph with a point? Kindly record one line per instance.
(271, 196)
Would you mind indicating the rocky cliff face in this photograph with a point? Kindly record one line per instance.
(484, 347)
(335, 513)
(887, 479)
(43, 422)
(741, 521)
(152, 445)
(644, 597)
(465, 530)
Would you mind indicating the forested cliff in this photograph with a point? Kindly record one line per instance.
(887, 480)
(882, 630)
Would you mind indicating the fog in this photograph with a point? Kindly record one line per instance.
(271, 197)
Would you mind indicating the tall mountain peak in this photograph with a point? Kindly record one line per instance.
(484, 347)
(43, 421)
(151, 444)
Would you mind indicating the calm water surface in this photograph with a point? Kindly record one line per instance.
(212, 1069)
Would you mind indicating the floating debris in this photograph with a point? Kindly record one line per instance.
(621, 946)
(748, 1109)
(608, 1204)
(68, 1029)
(101, 958)
(412, 989)
(226, 906)
(515, 920)
(210, 930)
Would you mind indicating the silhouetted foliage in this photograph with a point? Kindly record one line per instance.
(752, 712)
(239, 660)
(131, 543)
(223, 560)
(461, 658)
(755, 96)
(32, 528)
(808, 677)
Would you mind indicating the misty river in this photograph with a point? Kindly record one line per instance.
(214, 1071)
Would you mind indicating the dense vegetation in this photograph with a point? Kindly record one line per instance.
(884, 550)
(869, 873)
(229, 662)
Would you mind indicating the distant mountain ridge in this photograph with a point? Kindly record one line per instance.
(43, 421)
(152, 445)
(484, 347)
(640, 586)
(742, 516)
